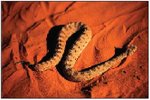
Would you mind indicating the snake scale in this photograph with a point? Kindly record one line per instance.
(73, 54)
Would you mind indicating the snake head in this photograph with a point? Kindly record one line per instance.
(131, 49)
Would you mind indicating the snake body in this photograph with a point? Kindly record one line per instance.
(70, 59)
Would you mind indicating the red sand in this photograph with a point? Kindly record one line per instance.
(25, 26)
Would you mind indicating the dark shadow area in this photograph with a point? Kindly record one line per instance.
(118, 51)
(52, 41)
(87, 91)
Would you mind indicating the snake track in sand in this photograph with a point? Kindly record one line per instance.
(68, 61)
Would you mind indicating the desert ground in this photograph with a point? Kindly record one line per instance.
(114, 25)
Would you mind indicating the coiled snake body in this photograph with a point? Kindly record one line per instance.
(69, 60)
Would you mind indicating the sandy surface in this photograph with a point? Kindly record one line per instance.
(25, 26)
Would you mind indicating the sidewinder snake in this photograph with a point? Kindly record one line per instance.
(68, 61)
